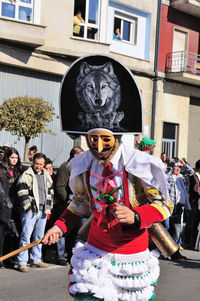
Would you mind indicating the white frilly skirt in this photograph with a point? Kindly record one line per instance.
(98, 275)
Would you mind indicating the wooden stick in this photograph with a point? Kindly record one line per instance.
(13, 253)
(83, 232)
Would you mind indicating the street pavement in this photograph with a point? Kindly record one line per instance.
(179, 281)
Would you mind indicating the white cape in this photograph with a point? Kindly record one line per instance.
(142, 165)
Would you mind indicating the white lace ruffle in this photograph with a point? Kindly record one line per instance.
(113, 276)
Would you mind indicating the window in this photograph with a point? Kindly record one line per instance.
(127, 26)
(17, 9)
(169, 141)
(134, 26)
(86, 19)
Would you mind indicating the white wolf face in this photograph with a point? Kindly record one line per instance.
(98, 89)
(97, 92)
(99, 95)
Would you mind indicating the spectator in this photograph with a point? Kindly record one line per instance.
(48, 252)
(180, 172)
(116, 34)
(77, 20)
(138, 139)
(171, 185)
(193, 217)
(197, 244)
(31, 152)
(35, 192)
(10, 170)
(63, 198)
(49, 168)
(164, 157)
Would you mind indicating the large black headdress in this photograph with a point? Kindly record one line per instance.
(97, 91)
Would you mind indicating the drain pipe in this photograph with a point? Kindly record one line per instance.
(155, 80)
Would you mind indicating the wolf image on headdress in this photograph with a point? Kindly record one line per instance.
(99, 95)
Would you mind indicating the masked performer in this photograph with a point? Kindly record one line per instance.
(124, 188)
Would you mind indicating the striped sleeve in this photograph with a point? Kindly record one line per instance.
(158, 201)
(23, 195)
(157, 209)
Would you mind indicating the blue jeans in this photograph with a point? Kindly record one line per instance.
(177, 233)
(32, 225)
(166, 224)
(61, 248)
(176, 223)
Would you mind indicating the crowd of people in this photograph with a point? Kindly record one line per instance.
(32, 198)
(184, 190)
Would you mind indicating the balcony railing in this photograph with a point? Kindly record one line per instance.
(183, 61)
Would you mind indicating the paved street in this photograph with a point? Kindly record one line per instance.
(179, 281)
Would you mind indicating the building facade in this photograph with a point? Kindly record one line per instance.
(178, 100)
(39, 40)
(38, 43)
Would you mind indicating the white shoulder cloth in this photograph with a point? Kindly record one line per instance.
(142, 165)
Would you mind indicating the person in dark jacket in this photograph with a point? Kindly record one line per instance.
(181, 171)
(193, 216)
(10, 171)
(63, 198)
(63, 194)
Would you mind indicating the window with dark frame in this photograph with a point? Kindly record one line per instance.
(170, 138)
(88, 28)
(127, 26)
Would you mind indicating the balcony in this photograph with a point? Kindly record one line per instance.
(191, 7)
(25, 33)
(183, 66)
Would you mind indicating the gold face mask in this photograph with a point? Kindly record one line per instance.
(101, 142)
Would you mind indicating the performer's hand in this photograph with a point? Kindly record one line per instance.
(124, 214)
(52, 236)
